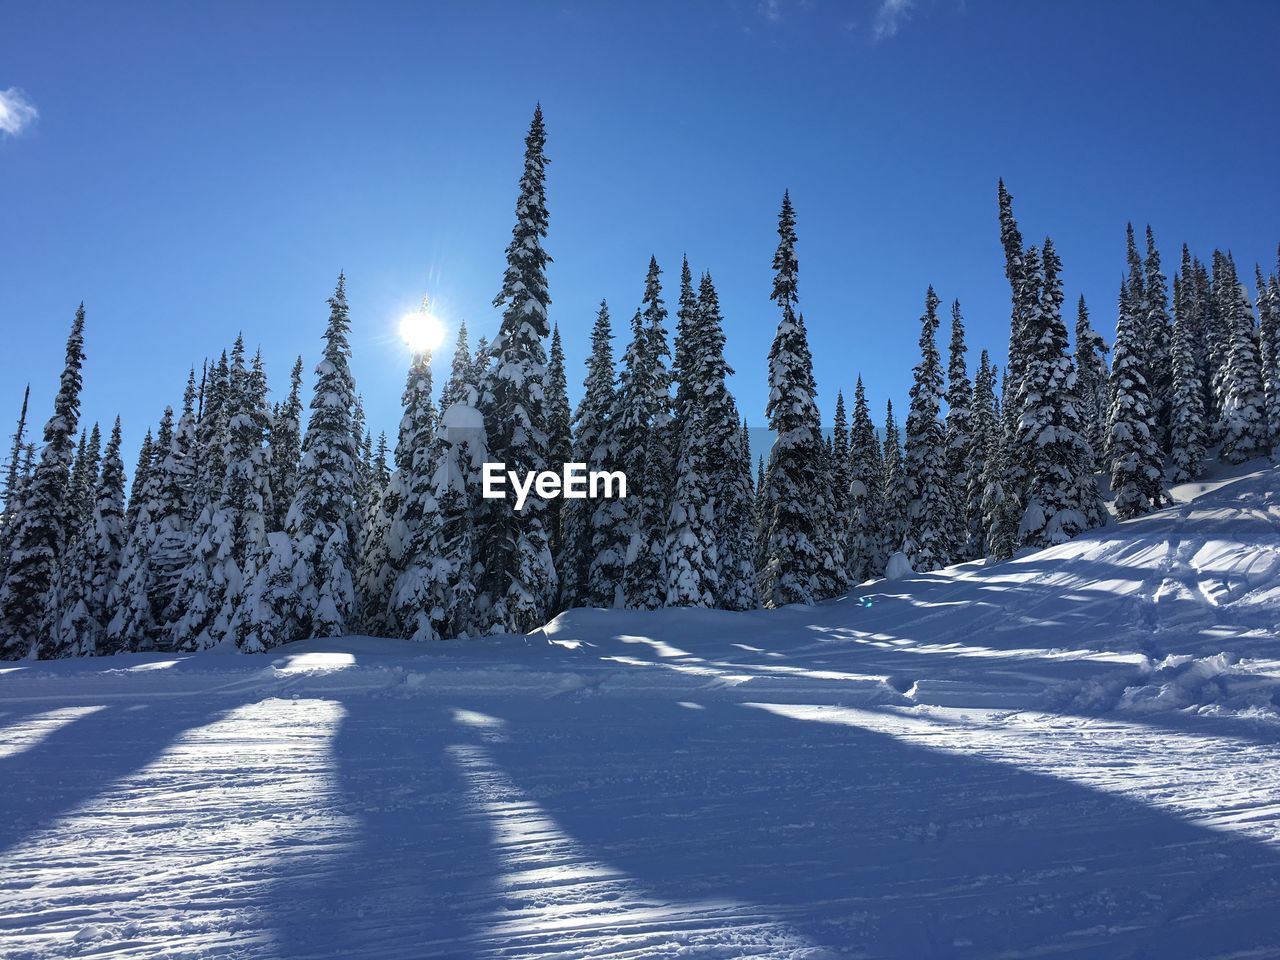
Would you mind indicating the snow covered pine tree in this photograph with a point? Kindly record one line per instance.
(321, 521)
(518, 582)
(790, 572)
(929, 503)
(39, 538)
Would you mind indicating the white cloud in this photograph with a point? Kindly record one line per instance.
(889, 17)
(770, 10)
(16, 112)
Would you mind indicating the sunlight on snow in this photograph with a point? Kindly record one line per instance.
(314, 661)
(552, 895)
(251, 794)
(470, 718)
(906, 645)
(490, 729)
(157, 665)
(717, 675)
(549, 631)
(30, 731)
(661, 648)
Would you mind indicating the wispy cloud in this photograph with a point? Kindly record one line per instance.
(889, 17)
(770, 9)
(16, 112)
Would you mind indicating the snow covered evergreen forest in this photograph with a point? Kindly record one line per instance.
(248, 523)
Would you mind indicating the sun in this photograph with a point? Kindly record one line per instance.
(421, 331)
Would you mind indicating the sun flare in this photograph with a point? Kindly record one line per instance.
(421, 331)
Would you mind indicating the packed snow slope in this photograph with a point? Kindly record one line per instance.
(1074, 754)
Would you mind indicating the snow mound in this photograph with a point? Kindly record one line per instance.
(898, 567)
(461, 416)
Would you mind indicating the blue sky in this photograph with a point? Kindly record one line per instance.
(195, 170)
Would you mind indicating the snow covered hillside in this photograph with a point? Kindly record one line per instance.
(1073, 754)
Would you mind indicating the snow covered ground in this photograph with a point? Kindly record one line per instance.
(1074, 754)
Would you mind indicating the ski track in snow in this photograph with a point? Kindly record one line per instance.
(1074, 754)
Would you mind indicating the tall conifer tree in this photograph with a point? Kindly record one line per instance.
(1015, 273)
(604, 537)
(929, 503)
(286, 448)
(40, 538)
(241, 526)
(518, 580)
(12, 492)
(893, 488)
(1269, 344)
(1017, 456)
(1244, 415)
(174, 510)
(460, 455)
(1158, 337)
(691, 562)
(1217, 338)
(634, 417)
(791, 572)
(1187, 433)
(462, 373)
(1136, 475)
(321, 521)
(1049, 429)
(417, 513)
(1193, 289)
(864, 550)
(141, 474)
(1093, 379)
(838, 483)
(106, 525)
(983, 422)
(384, 556)
(647, 438)
(559, 439)
(591, 437)
(999, 510)
(762, 528)
(959, 431)
(133, 623)
(688, 316)
(735, 509)
(727, 455)
(83, 483)
(703, 549)
(81, 624)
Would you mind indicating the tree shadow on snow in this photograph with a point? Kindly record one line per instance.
(80, 759)
(412, 875)
(861, 842)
